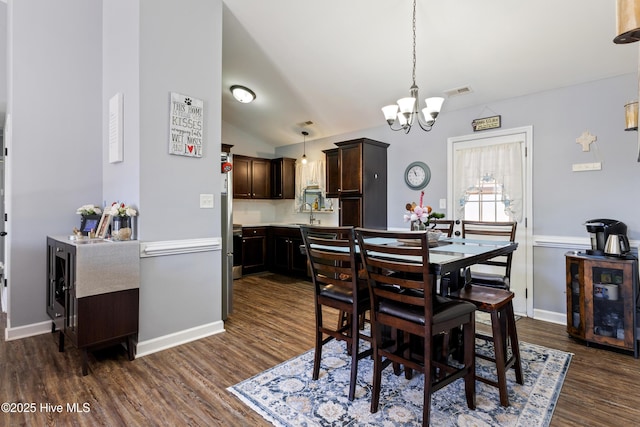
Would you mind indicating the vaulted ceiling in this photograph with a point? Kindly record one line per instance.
(337, 62)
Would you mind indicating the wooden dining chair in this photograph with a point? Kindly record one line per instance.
(500, 274)
(403, 301)
(490, 293)
(334, 273)
(443, 225)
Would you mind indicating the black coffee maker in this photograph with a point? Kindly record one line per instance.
(600, 230)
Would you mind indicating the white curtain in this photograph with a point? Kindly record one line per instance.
(311, 174)
(500, 162)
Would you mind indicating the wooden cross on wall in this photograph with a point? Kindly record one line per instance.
(585, 140)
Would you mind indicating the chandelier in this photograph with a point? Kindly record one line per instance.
(405, 112)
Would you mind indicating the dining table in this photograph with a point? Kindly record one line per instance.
(450, 257)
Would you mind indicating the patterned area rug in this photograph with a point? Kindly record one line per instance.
(287, 396)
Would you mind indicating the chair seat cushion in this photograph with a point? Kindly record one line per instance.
(342, 294)
(444, 309)
(488, 279)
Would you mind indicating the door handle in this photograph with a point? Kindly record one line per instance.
(3, 233)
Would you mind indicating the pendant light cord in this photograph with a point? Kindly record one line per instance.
(413, 75)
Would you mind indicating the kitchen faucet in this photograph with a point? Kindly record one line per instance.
(312, 219)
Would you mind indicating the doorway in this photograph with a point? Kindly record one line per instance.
(486, 198)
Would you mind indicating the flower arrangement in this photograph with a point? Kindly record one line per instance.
(86, 210)
(419, 215)
(120, 209)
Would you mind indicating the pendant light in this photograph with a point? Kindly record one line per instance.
(304, 145)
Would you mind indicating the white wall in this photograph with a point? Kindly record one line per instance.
(562, 200)
(63, 68)
(54, 80)
(180, 51)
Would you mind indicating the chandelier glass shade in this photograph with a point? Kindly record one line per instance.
(405, 113)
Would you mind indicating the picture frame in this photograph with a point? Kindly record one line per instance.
(89, 223)
(105, 221)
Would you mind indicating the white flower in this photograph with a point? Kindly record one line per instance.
(120, 209)
(88, 210)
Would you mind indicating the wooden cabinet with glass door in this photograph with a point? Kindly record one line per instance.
(601, 300)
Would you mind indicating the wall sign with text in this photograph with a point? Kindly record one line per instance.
(186, 118)
(486, 123)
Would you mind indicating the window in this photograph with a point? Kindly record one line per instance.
(485, 201)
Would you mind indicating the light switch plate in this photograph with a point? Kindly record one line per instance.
(206, 201)
(443, 203)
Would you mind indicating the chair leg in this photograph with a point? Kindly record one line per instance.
(515, 345)
(428, 381)
(318, 354)
(470, 361)
(499, 353)
(354, 344)
(377, 375)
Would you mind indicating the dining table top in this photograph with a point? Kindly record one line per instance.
(451, 255)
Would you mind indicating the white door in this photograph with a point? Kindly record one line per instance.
(484, 201)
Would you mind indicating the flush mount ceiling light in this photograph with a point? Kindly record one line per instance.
(242, 94)
(304, 142)
(408, 109)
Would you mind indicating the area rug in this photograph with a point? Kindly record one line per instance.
(285, 395)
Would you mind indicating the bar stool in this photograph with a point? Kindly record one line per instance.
(499, 304)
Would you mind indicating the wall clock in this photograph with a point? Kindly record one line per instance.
(417, 175)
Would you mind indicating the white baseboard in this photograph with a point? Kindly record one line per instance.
(20, 332)
(143, 348)
(154, 345)
(550, 316)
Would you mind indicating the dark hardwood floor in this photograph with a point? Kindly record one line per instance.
(272, 322)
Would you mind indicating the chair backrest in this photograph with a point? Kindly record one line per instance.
(487, 230)
(397, 266)
(444, 225)
(332, 256)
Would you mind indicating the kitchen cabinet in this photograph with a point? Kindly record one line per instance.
(287, 258)
(251, 177)
(93, 293)
(332, 176)
(601, 299)
(254, 249)
(356, 173)
(283, 178)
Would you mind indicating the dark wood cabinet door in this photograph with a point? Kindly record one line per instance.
(241, 177)
(283, 178)
(298, 259)
(254, 249)
(281, 250)
(260, 179)
(351, 169)
(332, 167)
(106, 317)
(351, 211)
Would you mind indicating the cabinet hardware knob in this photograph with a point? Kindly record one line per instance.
(58, 249)
(58, 315)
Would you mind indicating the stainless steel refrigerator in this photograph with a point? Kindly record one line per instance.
(226, 216)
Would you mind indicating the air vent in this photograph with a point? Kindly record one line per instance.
(458, 91)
